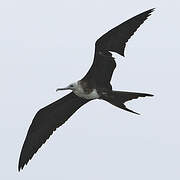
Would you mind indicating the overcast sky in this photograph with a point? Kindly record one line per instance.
(49, 44)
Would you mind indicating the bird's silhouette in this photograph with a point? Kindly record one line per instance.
(94, 85)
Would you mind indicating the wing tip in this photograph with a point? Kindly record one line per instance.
(150, 11)
(22, 164)
(20, 167)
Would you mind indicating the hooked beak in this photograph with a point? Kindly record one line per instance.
(66, 88)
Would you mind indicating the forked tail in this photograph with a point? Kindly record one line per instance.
(118, 98)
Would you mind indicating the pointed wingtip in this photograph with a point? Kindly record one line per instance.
(150, 11)
(20, 167)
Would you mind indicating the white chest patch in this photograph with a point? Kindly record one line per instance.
(80, 92)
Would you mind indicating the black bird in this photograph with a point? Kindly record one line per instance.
(94, 85)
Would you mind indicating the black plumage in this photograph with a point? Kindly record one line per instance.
(46, 121)
(94, 85)
(114, 40)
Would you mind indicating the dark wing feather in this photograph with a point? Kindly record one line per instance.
(114, 40)
(45, 122)
(102, 69)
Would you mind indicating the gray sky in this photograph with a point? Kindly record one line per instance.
(49, 44)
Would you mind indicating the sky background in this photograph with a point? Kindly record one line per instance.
(49, 44)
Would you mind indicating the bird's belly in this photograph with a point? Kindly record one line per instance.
(92, 95)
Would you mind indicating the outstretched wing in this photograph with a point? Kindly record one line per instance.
(114, 40)
(102, 69)
(45, 122)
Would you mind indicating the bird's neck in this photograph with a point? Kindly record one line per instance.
(84, 90)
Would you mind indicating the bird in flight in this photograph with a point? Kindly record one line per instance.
(94, 85)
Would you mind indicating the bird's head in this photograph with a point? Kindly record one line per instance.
(72, 87)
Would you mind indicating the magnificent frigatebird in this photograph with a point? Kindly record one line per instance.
(94, 85)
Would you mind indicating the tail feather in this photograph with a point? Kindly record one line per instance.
(122, 106)
(118, 98)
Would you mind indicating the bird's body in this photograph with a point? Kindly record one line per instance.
(83, 90)
(94, 85)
